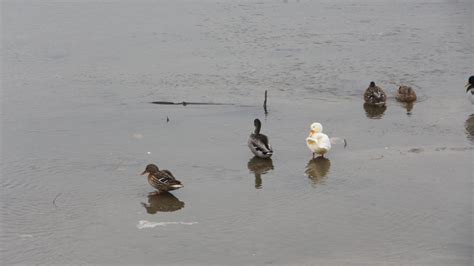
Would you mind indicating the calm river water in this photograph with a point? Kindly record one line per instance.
(78, 129)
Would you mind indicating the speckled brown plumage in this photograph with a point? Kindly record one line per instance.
(161, 180)
(374, 95)
(405, 94)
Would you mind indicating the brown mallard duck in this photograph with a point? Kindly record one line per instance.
(405, 94)
(161, 180)
(258, 143)
(374, 95)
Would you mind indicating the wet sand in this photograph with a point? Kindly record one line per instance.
(78, 129)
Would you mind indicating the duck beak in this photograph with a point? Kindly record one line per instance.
(144, 172)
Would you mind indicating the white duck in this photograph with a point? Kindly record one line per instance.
(317, 141)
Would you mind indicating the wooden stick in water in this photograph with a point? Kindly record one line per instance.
(265, 103)
(186, 103)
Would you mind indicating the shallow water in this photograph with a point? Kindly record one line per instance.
(77, 130)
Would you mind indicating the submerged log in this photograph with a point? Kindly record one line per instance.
(189, 103)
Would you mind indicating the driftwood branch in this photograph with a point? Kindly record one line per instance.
(188, 103)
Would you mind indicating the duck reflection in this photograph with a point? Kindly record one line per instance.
(259, 167)
(373, 111)
(162, 202)
(469, 125)
(317, 169)
(408, 107)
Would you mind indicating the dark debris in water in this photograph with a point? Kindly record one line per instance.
(189, 103)
(54, 200)
(377, 158)
(416, 150)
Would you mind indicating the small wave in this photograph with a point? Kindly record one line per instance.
(147, 224)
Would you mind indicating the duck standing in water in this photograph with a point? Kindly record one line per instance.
(258, 143)
(406, 94)
(317, 141)
(375, 95)
(470, 89)
(161, 180)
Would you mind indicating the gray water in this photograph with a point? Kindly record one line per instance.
(77, 130)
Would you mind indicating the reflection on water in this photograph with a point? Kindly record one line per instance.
(469, 125)
(98, 131)
(162, 202)
(408, 107)
(317, 169)
(259, 167)
(373, 111)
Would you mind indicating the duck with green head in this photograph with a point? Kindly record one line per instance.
(258, 143)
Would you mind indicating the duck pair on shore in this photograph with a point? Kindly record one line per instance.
(375, 95)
